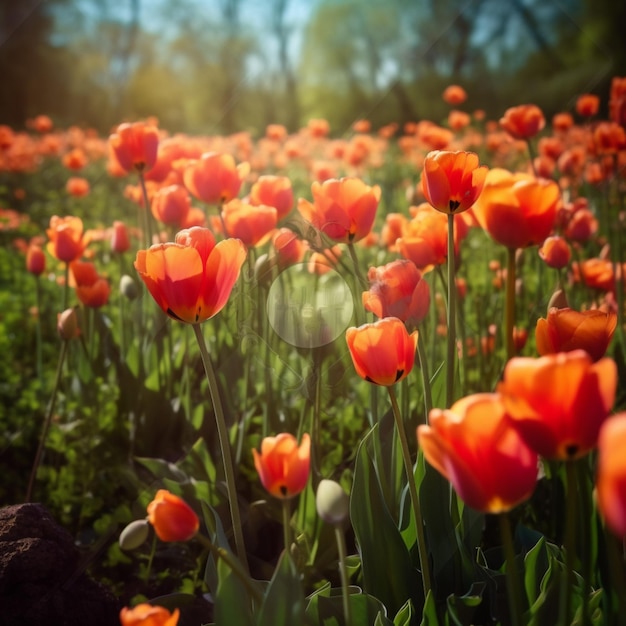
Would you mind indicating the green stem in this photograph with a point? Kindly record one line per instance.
(235, 566)
(509, 305)
(410, 474)
(531, 155)
(513, 582)
(450, 360)
(355, 263)
(47, 422)
(38, 346)
(222, 432)
(615, 552)
(428, 398)
(343, 572)
(66, 287)
(569, 541)
(147, 214)
(287, 524)
(151, 557)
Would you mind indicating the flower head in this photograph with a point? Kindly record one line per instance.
(215, 178)
(282, 465)
(344, 209)
(135, 146)
(383, 352)
(452, 181)
(171, 517)
(475, 447)
(191, 278)
(564, 330)
(558, 402)
(523, 121)
(66, 240)
(148, 615)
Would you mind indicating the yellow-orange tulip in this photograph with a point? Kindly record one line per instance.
(148, 615)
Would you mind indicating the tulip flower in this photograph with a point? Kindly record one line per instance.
(135, 146)
(282, 465)
(452, 181)
(383, 352)
(147, 615)
(523, 121)
(214, 178)
(454, 95)
(66, 240)
(170, 205)
(35, 260)
(555, 252)
(191, 278)
(587, 105)
(517, 210)
(474, 445)
(77, 187)
(253, 225)
(611, 474)
(120, 241)
(274, 191)
(397, 290)
(344, 209)
(171, 517)
(565, 330)
(558, 402)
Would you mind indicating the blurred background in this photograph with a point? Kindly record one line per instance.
(222, 66)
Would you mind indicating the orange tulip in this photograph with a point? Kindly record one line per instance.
(383, 352)
(475, 447)
(135, 146)
(91, 289)
(587, 105)
(558, 402)
(35, 260)
(282, 465)
(148, 615)
(454, 95)
(344, 209)
(191, 279)
(611, 474)
(523, 121)
(556, 252)
(75, 159)
(170, 205)
(77, 187)
(273, 191)
(517, 210)
(214, 178)
(617, 100)
(42, 124)
(66, 240)
(252, 224)
(451, 181)
(397, 290)
(565, 330)
(171, 517)
(289, 248)
(120, 241)
(562, 122)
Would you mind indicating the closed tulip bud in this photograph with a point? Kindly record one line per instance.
(134, 535)
(67, 325)
(558, 300)
(172, 518)
(128, 287)
(332, 502)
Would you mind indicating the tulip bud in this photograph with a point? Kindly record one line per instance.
(332, 502)
(67, 324)
(558, 300)
(128, 287)
(134, 534)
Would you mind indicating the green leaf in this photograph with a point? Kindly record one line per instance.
(232, 603)
(283, 604)
(536, 564)
(462, 608)
(429, 614)
(405, 615)
(163, 469)
(388, 572)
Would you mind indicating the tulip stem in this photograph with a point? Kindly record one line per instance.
(513, 583)
(410, 474)
(147, 213)
(343, 572)
(222, 432)
(615, 552)
(423, 359)
(287, 524)
(509, 305)
(450, 361)
(38, 347)
(569, 541)
(234, 565)
(47, 422)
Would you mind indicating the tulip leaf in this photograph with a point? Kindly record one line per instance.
(386, 563)
(218, 537)
(283, 604)
(429, 614)
(232, 603)
(462, 609)
(405, 615)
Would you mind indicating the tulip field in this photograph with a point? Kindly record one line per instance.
(301, 378)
